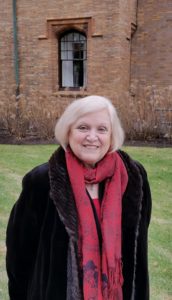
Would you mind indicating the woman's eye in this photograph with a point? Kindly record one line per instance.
(83, 128)
(102, 129)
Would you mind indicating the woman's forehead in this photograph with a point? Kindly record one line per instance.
(97, 116)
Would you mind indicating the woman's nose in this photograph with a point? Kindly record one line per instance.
(92, 135)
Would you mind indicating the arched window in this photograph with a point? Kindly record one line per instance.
(73, 57)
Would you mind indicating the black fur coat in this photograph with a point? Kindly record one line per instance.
(42, 262)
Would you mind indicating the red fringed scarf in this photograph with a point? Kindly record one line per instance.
(102, 272)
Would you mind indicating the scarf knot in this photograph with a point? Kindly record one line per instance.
(90, 175)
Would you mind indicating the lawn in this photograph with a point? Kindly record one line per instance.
(16, 160)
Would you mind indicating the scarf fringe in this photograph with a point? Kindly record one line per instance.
(115, 280)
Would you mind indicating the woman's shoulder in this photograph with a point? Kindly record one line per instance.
(138, 189)
(131, 164)
(38, 176)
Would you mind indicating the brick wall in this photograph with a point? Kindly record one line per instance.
(152, 43)
(151, 62)
(107, 45)
(6, 46)
(118, 66)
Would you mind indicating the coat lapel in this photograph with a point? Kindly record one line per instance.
(61, 193)
(131, 216)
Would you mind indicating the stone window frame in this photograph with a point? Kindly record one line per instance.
(54, 29)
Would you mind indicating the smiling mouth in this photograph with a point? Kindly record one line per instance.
(91, 146)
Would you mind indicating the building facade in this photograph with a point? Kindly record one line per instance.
(54, 52)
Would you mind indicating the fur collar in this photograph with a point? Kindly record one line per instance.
(62, 197)
(64, 200)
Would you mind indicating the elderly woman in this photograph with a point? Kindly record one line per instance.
(79, 228)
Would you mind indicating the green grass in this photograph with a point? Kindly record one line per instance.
(158, 163)
(15, 161)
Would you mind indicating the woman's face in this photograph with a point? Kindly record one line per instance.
(90, 137)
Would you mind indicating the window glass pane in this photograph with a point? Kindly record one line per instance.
(63, 39)
(85, 73)
(78, 73)
(84, 55)
(70, 55)
(67, 73)
(63, 46)
(76, 36)
(82, 37)
(84, 45)
(70, 46)
(63, 55)
(70, 37)
(77, 53)
(73, 59)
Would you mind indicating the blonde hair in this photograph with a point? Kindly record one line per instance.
(83, 106)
